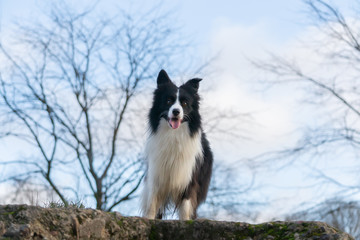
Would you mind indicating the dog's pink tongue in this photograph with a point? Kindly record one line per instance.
(175, 123)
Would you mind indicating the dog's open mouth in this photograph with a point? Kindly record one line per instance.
(174, 123)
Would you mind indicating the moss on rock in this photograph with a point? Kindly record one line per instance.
(28, 222)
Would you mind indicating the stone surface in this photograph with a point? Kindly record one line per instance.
(29, 222)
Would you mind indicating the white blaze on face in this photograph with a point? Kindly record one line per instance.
(175, 120)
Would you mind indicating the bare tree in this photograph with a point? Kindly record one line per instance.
(68, 89)
(332, 86)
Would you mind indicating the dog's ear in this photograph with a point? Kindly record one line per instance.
(194, 83)
(162, 78)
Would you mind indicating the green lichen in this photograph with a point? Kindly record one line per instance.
(112, 214)
(276, 229)
(53, 227)
(189, 222)
(153, 233)
(8, 213)
(120, 223)
(21, 208)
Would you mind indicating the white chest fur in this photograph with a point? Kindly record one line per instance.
(171, 155)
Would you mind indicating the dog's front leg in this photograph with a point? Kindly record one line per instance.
(186, 210)
(152, 206)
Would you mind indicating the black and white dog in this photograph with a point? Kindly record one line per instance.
(178, 154)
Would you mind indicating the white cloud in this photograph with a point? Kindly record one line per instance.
(235, 85)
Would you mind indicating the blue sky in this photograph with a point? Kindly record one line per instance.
(237, 29)
(197, 17)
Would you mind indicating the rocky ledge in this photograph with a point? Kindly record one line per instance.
(29, 222)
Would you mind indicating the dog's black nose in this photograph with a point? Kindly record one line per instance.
(176, 112)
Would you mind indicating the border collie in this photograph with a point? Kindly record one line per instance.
(179, 158)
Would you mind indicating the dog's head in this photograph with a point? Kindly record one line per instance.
(175, 104)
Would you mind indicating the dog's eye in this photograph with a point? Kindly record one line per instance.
(168, 101)
(184, 104)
